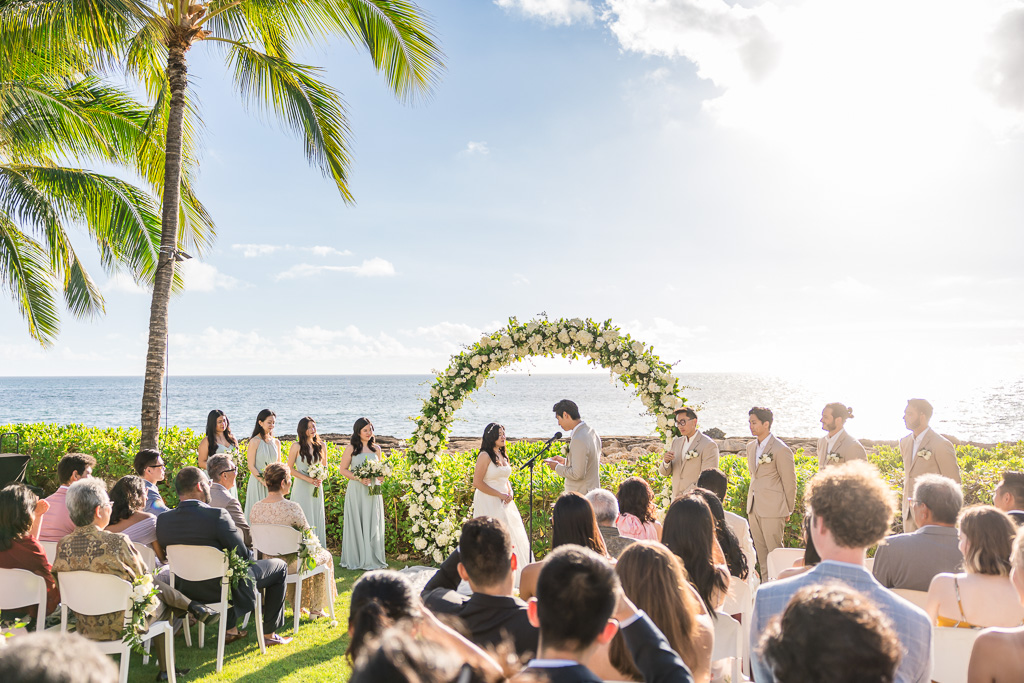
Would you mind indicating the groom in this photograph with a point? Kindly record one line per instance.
(582, 469)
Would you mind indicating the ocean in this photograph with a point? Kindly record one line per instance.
(985, 412)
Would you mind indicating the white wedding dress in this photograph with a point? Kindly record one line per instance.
(485, 505)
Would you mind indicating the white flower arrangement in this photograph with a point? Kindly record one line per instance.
(924, 454)
(308, 545)
(598, 343)
(318, 470)
(145, 599)
(764, 458)
(238, 568)
(690, 455)
(833, 458)
(374, 470)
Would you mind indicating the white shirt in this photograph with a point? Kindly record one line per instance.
(760, 450)
(917, 441)
(830, 441)
(687, 445)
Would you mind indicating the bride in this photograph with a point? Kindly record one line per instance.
(493, 494)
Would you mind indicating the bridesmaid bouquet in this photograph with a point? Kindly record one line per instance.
(319, 471)
(373, 470)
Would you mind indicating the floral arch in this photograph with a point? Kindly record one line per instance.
(632, 362)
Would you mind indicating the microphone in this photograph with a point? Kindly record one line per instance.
(556, 437)
(547, 445)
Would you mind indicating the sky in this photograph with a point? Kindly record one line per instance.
(797, 188)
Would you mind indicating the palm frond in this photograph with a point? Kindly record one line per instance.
(25, 274)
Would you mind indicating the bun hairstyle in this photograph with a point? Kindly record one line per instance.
(839, 410)
(380, 598)
(274, 475)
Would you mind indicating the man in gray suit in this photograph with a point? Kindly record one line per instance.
(223, 472)
(910, 560)
(582, 468)
(606, 510)
(689, 455)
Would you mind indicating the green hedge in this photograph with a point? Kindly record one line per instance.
(114, 449)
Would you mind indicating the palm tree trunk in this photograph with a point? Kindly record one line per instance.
(152, 389)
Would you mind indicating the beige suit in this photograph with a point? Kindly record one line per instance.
(941, 461)
(582, 468)
(846, 446)
(220, 498)
(771, 496)
(685, 472)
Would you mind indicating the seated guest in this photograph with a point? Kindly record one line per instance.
(56, 523)
(578, 593)
(1009, 495)
(811, 557)
(89, 548)
(572, 522)
(983, 595)
(832, 632)
(382, 599)
(655, 580)
(715, 481)
(732, 553)
(149, 465)
(21, 513)
(397, 657)
(910, 561)
(223, 472)
(690, 534)
(637, 518)
(194, 522)
(52, 657)
(606, 510)
(318, 592)
(851, 507)
(491, 614)
(128, 497)
(997, 655)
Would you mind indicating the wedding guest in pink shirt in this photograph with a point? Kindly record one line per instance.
(56, 522)
(636, 511)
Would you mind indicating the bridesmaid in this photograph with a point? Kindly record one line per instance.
(263, 449)
(308, 449)
(218, 439)
(362, 537)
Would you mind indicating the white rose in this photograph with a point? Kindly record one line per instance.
(443, 540)
(563, 337)
(456, 405)
(436, 503)
(229, 573)
(576, 322)
(585, 337)
(531, 326)
(417, 486)
(437, 556)
(420, 447)
(677, 402)
(414, 510)
(480, 379)
(420, 543)
(652, 387)
(506, 341)
(642, 367)
(452, 371)
(666, 400)
(485, 341)
(433, 392)
(475, 361)
(432, 488)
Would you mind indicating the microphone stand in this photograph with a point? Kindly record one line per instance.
(530, 463)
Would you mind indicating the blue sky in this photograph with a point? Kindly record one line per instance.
(773, 187)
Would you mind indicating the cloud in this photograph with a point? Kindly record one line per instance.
(557, 12)
(329, 251)
(476, 149)
(254, 250)
(375, 267)
(122, 282)
(203, 277)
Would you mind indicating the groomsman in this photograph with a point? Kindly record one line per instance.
(689, 454)
(772, 493)
(837, 446)
(924, 451)
(582, 469)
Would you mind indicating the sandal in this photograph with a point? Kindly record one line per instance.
(232, 637)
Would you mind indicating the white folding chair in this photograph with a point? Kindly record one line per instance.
(201, 563)
(21, 588)
(919, 598)
(50, 548)
(89, 593)
(740, 601)
(148, 554)
(277, 539)
(729, 644)
(782, 558)
(951, 653)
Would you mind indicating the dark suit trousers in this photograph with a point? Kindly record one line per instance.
(269, 576)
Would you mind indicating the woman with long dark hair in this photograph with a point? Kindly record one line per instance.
(731, 550)
(218, 439)
(362, 538)
(309, 449)
(263, 449)
(21, 514)
(493, 495)
(637, 511)
(128, 516)
(690, 534)
(572, 523)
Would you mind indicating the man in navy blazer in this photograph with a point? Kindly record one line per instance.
(194, 522)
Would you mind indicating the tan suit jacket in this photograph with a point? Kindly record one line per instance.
(220, 498)
(772, 490)
(942, 461)
(846, 446)
(582, 468)
(685, 472)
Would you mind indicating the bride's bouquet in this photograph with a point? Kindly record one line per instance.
(319, 471)
(373, 470)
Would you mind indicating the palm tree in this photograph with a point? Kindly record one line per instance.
(51, 112)
(256, 38)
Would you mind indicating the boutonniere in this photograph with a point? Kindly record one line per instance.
(764, 458)
(833, 457)
(690, 455)
(924, 454)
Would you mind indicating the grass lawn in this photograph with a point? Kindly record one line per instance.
(316, 654)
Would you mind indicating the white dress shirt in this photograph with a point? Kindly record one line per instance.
(830, 441)
(917, 441)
